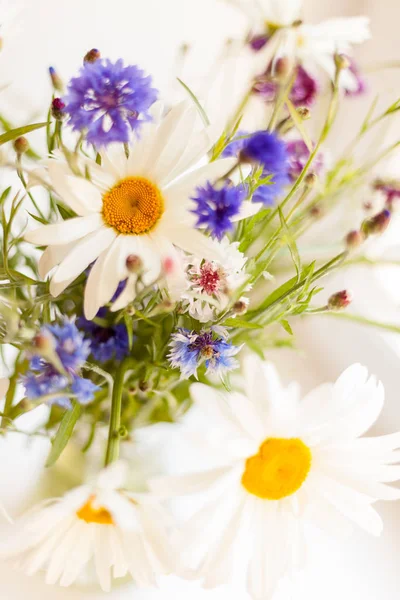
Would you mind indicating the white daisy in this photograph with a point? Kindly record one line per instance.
(211, 283)
(310, 45)
(136, 206)
(280, 460)
(100, 527)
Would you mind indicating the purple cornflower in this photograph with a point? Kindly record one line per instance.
(266, 149)
(108, 100)
(110, 341)
(361, 83)
(190, 349)
(303, 92)
(215, 207)
(298, 156)
(61, 351)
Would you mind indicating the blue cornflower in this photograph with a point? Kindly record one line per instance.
(83, 389)
(190, 349)
(63, 351)
(216, 207)
(106, 342)
(70, 345)
(107, 100)
(266, 149)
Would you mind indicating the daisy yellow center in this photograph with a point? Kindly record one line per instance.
(133, 206)
(91, 514)
(278, 470)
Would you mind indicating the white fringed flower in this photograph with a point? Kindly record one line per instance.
(137, 206)
(311, 45)
(278, 461)
(211, 283)
(98, 527)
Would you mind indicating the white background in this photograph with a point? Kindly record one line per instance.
(148, 32)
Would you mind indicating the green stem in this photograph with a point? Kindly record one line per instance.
(365, 321)
(112, 451)
(11, 392)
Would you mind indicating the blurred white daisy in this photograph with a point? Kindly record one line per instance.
(279, 460)
(310, 45)
(212, 283)
(99, 527)
(137, 207)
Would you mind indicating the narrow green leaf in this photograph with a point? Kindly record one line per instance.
(14, 133)
(39, 219)
(193, 96)
(241, 323)
(4, 195)
(286, 326)
(291, 244)
(64, 433)
(371, 110)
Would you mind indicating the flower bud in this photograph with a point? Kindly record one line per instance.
(283, 68)
(134, 263)
(168, 265)
(57, 109)
(303, 112)
(21, 145)
(240, 307)
(377, 224)
(56, 80)
(341, 61)
(311, 179)
(91, 56)
(44, 343)
(354, 239)
(340, 300)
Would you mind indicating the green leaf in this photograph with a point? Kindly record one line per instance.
(286, 326)
(14, 133)
(39, 219)
(201, 110)
(290, 241)
(4, 195)
(241, 323)
(64, 433)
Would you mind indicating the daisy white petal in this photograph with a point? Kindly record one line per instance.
(100, 526)
(305, 460)
(65, 231)
(138, 205)
(84, 253)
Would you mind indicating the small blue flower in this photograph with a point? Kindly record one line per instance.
(68, 346)
(108, 100)
(84, 390)
(190, 349)
(216, 207)
(266, 149)
(106, 342)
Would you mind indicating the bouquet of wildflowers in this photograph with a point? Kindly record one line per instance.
(151, 260)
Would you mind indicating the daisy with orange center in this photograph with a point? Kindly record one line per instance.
(132, 206)
(98, 527)
(279, 461)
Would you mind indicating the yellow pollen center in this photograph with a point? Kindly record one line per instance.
(90, 514)
(133, 206)
(278, 470)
